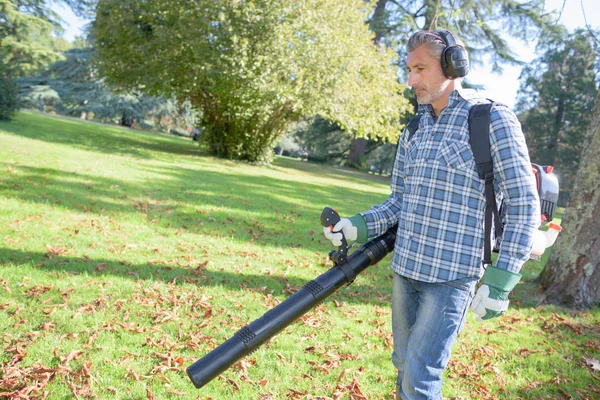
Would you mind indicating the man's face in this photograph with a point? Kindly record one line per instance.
(426, 76)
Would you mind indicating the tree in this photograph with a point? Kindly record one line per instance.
(27, 43)
(556, 100)
(30, 33)
(572, 274)
(73, 87)
(252, 68)
(25, 47)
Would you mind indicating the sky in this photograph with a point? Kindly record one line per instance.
(502, 88)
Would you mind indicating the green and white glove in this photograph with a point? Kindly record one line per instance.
(491, 299)
(354, 229)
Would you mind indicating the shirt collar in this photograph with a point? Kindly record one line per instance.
(456, 97)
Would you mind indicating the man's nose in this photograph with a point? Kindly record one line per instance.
(412, 80)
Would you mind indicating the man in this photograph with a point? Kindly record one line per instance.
(438, 202)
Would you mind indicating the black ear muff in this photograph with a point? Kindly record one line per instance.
(455, 59)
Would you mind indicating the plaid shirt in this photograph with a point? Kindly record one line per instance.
(438, 199)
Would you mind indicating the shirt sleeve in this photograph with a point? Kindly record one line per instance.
(385, 215)
(517, 186)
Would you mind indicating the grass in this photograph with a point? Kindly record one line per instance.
(126, 256)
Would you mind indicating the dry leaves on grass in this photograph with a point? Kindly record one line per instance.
(56, 251)
(29, 382)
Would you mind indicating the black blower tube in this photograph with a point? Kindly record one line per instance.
(250, 337)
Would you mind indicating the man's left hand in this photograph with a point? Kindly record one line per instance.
(491, 299)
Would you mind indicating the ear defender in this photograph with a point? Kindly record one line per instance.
(455, 59)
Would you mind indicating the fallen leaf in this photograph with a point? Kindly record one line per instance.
(5, 285)
(233, 383)
(526, 352)
(149, 395)
(73, 355)
(176, 392)
(55, 251)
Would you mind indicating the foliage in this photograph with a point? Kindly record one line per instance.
(327, 143)
(556, 100)
(72, 87)
(27, 45)
(41, 8)
(324, 140)
(30, 33)
(482, 24)
(39, 96)
(126, 256)
(381, 159)
(252, 68)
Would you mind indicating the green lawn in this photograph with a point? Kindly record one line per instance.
(125, 256)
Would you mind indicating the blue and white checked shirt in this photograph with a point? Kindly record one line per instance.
(438, 199)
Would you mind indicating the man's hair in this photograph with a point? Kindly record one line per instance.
(433, 40)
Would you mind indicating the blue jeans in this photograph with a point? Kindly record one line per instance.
(426, 319)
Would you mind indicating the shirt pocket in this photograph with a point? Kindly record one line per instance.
(412, 151)
(456, 154)
(421, 151)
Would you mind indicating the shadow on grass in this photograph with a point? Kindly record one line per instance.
(259, 210)
(357, 293)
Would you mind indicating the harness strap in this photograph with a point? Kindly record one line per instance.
(479, 139)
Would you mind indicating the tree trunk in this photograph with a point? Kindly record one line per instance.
(378, 23)
(357, 151)
(572, 274)
(431, 14)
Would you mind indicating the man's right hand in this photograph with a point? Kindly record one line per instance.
(343, 226)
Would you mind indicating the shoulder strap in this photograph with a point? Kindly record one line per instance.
(413, 125)
(479, 138)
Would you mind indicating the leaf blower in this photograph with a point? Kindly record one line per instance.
(250, 337)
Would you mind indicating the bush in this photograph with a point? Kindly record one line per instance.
(8, 98)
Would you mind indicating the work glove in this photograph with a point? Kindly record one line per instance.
(353, 228)
(491, 299)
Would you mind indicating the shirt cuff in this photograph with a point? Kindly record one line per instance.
(361, 225)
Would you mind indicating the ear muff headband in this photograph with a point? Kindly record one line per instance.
(455, 59)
